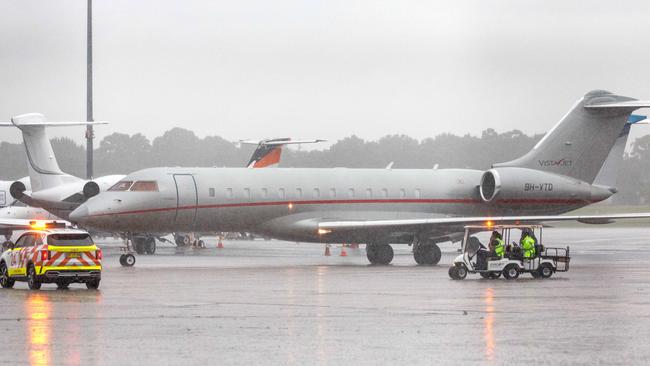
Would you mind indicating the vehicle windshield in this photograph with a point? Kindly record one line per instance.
(121, 186)
(70, 240)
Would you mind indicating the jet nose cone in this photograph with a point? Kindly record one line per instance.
(79, 215)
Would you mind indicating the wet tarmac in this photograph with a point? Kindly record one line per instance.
(269, 302)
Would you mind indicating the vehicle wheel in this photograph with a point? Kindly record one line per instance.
(92, 284)
(427, 254)
(5, 280)
(461, 272)
(32, 279)
(62, 285)
(546, 270)
(150, 245)
(129, 260)
(511, 272)
(452, 273)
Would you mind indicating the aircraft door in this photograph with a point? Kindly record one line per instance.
(186, 199)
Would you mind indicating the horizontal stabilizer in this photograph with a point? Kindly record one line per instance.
(632, 104)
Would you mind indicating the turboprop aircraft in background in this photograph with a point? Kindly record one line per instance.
(378, 207)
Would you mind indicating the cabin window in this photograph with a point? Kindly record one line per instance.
(417, 193)
(265, 192)
(281, 193)
(402, 193)
(228, 192)
(332, 192)
(384, 193)
(316, 193)
(121, 186)
(247, 193)
(351, 193)
(145, 186)
(298, 192)
(211, 192)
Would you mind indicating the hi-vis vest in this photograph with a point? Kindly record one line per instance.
(528, 245)
(499, 248)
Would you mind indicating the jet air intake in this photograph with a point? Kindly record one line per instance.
(91, 189)
(17, 189)
(513, 185)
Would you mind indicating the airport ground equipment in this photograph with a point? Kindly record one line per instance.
(52, 253)
(543, 264)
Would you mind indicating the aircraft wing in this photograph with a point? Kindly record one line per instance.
(437, 222)
(15, 224)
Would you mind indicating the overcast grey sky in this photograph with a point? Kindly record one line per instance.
(327, 69)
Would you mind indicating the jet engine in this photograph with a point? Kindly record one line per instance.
(522, 185)
(91, 189)
(17, 189)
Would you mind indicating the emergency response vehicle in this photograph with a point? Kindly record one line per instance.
(542, 264)
(52, 253)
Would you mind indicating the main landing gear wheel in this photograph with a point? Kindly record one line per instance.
(139, 245)
(150, 245)
(511, 272)
(379, 253)
(127, 260)
(5, 280)
(427, 254)
(32, 279)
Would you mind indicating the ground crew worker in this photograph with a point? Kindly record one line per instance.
(497, 246)
(527, 243)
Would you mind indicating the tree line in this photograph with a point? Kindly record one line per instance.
(120, 153)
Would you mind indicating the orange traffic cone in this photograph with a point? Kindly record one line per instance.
(220, 244)
(343, 252)
(327, 251)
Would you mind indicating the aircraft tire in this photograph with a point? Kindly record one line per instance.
(380, 253)
(129, 260)
(139, 245)
(428, 254)
(150, 245)
(122, 262)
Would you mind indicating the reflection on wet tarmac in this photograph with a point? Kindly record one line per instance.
(488, 324)
(38, 310)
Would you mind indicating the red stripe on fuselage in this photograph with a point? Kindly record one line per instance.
(330, 202)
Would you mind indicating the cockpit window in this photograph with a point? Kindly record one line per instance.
(145, 186)
(121, 186)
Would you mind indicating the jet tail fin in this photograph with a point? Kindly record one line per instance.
(44, 171)
(579, 144)
(269, 151)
